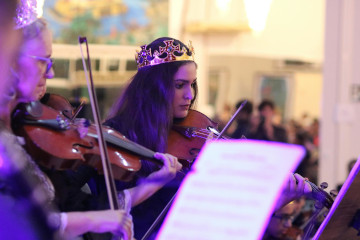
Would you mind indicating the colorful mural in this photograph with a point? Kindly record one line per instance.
(125, 22)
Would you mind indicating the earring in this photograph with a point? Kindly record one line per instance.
(12, 93)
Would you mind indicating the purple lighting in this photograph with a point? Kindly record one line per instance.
(26, 13)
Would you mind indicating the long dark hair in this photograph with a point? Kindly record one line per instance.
(144, 110)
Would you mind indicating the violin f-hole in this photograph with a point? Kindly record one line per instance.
(78, 145)
(194, 151)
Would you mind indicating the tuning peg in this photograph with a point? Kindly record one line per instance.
(324, 185)
(318, 205)
(333, 193)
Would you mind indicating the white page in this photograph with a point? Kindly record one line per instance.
(231, 190)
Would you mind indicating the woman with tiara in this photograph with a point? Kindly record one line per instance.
(162, 91)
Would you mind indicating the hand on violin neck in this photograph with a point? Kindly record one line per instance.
(296, 187)
(168, 171)
(156, 180)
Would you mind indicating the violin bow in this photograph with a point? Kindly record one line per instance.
(231, 120)
(159, 218)
(77, 111)
(109, 178)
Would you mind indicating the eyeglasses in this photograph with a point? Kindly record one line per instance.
(284, 218)
(49, 62)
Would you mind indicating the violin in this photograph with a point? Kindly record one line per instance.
(56, 142)
(59, 103)
(188, 135)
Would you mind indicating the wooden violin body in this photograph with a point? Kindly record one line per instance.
(59, 103)
(56, 142)
(188, 135)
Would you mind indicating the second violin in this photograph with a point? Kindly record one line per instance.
(60, 143)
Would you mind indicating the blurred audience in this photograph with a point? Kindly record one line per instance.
(223, 117)
(306, 135)
(263, 128)
(243, 120)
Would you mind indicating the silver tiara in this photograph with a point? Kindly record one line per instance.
(26, 13)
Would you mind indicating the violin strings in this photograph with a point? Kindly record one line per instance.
(202, 133)
(206, 133)
(201, 136)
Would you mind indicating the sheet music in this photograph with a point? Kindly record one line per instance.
(231, 190)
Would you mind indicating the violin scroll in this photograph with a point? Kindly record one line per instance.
(58, 103)
(323, 198)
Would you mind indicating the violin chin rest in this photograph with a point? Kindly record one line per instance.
(34, 108)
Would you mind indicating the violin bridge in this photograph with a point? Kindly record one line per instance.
(188, 132)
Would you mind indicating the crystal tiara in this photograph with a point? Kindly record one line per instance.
(145, 57)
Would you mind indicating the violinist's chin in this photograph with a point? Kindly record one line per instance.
(181, 111)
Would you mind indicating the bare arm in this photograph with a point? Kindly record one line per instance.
(116, 222)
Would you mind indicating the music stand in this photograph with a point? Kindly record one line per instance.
(343, 219)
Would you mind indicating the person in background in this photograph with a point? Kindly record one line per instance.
(280, 222)
(243, 120)
(265, 129)
(223, 116)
